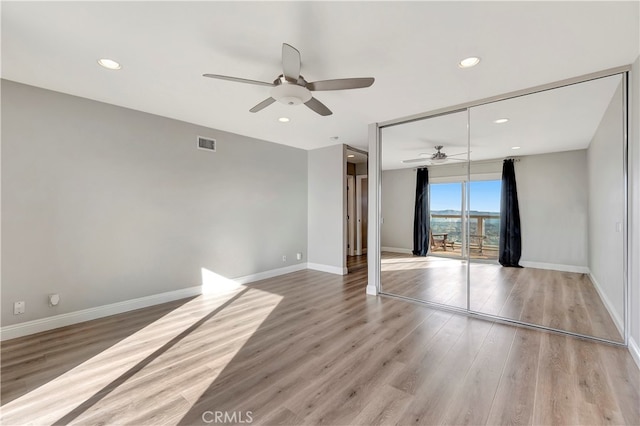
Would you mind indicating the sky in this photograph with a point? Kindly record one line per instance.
(485, 196)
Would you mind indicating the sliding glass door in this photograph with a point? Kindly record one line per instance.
(484, 219)
(447, 206)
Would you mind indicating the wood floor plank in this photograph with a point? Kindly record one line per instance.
(623, 376)
(481, 382)
(436, 389)
(556, 399)
(515, 397)
(384, 408)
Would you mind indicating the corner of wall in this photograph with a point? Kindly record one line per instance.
(633, 302)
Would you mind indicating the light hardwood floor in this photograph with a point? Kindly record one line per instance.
(312, 348)
(562, 300)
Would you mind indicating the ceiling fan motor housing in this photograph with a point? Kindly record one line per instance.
(290, 93)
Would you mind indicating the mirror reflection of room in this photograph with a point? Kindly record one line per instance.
(529, 202)
(423, 232)
(568, 145)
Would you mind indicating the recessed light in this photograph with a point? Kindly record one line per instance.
(501, 120)
(109, 64)
(469, 62)
(283, 119)
(515, 147)
(334, 138)
(350, 156)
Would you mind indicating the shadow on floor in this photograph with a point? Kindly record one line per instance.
(32, 361)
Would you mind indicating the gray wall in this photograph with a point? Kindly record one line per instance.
(103, 204)
(327, 208)
(606, 206)
(549, 186)
(398, 199)
(459, 170)
(552, 196)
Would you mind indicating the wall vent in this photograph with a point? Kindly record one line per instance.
(206, 143)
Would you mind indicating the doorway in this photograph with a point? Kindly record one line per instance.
(357, 208)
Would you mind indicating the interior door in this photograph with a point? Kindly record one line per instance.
(362, 212)
(351, 215)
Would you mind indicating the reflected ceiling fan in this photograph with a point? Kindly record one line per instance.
(437, 157)
(290, 88)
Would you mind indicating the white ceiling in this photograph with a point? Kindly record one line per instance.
(411, 48)
(562, 119)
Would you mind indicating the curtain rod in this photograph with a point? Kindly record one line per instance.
(515, 160)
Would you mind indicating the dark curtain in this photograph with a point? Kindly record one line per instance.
(510, 241)
(421, 214)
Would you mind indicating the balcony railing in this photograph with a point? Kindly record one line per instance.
(481, 245)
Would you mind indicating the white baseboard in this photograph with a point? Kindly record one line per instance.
(327, 268)
(555, 267)
(396, 250)
(271, 273)
(372, 290)
(635, 351)
(615, 316)
(62, 320)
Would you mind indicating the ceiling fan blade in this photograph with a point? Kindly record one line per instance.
(290, 62)
(415, 160)
(262, 104)
(341, 84)
(318, 107)
(238, 80)
(457, 159)
(460, 153)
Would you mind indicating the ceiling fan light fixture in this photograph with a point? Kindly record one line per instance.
(469, 62)
(290, 94)
(438, 160)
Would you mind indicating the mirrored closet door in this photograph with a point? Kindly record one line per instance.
(513, 209)
(567, 146)
(423, 208)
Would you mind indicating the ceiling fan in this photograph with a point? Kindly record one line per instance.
(437, 157)
(290, 88)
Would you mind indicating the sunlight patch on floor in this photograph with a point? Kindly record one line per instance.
(104, 379)
(416, 262)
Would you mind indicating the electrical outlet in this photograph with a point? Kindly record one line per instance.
(284, 258)
(54, 299)
(18, 308)
(299, 256)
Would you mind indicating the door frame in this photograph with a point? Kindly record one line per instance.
(359, 215)
(351, 215)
